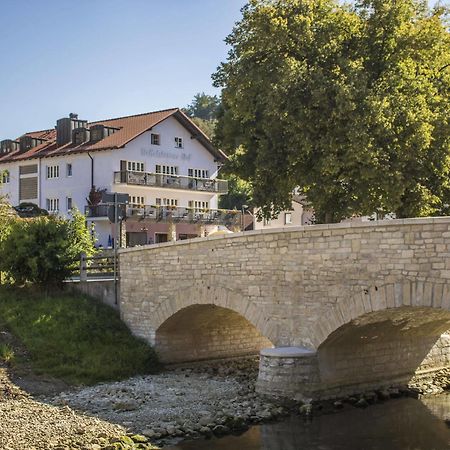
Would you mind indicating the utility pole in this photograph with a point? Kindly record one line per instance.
(116, 241)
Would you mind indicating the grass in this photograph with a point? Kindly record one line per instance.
(73, 337)
(7, 353)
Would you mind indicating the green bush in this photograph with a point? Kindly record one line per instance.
(44, 250)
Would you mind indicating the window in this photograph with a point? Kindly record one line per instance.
(178, 142)
(287, 218)
(137, 200)
(135, 166)
(198, 173)
(167, 202)
(167, 170)
(5, 177)
(69, 170)
(154, 139)
(197, 204)
(52, 172)
(53, 204)
(69, 203)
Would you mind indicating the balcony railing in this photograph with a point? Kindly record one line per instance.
(171, 181)
(229, 218)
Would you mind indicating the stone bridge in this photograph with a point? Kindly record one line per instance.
(334, 309)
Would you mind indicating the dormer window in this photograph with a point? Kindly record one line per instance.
(178, 142)
(154, 139)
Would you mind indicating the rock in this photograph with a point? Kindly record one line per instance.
(220, 430)
(362, 403)
(394, 392)
(338, 404)
(149, 433)
(205, 420)
(384, 394)
(125, 406)
(371, 396)
(206, 431)
(306, 409)
(171, 430)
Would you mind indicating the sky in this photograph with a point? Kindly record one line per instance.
(106, 58)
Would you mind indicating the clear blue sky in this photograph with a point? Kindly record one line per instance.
(106, 58)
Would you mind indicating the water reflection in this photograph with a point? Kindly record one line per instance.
(404, 424)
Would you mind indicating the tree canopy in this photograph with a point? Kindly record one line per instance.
(203, 106)
(347, 104)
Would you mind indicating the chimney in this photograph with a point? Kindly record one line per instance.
(66, 126)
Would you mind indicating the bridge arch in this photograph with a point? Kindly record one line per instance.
(381, 297)
(207, 331)
(208, 322)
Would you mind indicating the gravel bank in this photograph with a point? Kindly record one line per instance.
(185, 402)
(28, 424)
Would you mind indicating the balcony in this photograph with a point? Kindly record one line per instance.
(229, 218)
(171, 181)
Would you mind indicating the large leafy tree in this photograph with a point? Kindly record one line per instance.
(349, 104)
(203, 106)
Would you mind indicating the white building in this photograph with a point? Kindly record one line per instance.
(297, 215)
(161, 159)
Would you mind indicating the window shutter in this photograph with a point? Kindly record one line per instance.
(123, 171)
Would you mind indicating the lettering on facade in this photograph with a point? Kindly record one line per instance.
(155, 153)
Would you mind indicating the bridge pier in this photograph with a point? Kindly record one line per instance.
(291, 372)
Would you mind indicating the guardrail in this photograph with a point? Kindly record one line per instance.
(227, 217)
(98, 266)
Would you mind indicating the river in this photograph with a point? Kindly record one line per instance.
(401, 424)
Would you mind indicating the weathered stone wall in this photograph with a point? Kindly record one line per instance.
(297, 286)
(102, 290)
(207, 332)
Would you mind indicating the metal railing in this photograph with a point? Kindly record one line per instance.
(96, 210)
(227, 217)
(171, 181)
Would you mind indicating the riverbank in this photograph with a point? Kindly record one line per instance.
(190, 402)
(186, 403)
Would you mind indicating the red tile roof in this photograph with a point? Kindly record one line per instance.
(129, 128)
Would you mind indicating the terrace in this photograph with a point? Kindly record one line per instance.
(171, 181)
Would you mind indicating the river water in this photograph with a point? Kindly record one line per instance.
(402, 424)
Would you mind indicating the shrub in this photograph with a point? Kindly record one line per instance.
(43, 250)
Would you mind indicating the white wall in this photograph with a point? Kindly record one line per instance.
(192, 155)
(299, 216)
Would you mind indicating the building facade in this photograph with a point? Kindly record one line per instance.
(297, 215)
(162, 160)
